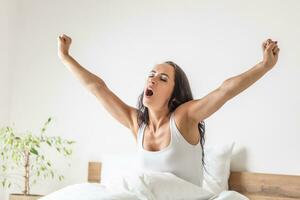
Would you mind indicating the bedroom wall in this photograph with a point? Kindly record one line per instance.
(7, 15)
(122, 40)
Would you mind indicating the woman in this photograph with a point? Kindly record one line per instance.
(168, 120)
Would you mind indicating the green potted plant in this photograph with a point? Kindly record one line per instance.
(24, 154)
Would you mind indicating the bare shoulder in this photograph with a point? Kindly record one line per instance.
(187, 127)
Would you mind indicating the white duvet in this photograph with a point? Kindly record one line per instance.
(144, 185)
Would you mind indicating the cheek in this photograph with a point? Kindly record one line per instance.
(166, 91)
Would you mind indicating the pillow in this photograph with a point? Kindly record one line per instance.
(118, 169)
(166, 186)
(116, 165)
(217, 159)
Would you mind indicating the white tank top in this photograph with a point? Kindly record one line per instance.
(179, 157)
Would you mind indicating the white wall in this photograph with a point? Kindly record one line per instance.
(7, 15)
(5, 84)
(122, 40)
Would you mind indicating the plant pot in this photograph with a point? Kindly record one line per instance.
(24, 197)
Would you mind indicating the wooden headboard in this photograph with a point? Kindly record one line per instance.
(260, 186)
(256, 186)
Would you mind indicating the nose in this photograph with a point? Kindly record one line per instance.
(152, 80)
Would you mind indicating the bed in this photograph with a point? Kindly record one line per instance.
(256, 186)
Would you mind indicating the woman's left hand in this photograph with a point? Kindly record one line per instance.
(270, 53)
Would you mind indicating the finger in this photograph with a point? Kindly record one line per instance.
(277, 51)
(274, 47)
(60, 39)
(270, 46)
(269, 41)
(67, 39)
(67, 36)
(70, 39)
(63, 36)
(274, 50)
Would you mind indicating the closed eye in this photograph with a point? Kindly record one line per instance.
(162, 77)
(151, 74)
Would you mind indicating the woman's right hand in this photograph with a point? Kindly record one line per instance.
(63, 44)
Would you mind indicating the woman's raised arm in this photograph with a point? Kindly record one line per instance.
(199, 109)
(122, 112)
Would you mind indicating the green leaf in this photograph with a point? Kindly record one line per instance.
(70, 142)
(4, 182)
(10, 141)
(34, 151)
(61, 178)
(48, 143)
(4, 168)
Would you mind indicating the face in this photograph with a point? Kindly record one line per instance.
(159, 86)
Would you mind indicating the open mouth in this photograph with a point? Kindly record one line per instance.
(148, 92)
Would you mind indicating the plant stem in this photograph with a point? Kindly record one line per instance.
(26, 177)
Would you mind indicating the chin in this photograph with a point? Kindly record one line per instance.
(148, 103)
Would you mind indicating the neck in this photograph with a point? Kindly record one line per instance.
(157, 118)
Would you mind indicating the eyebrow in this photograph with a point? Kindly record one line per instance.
(160, 73)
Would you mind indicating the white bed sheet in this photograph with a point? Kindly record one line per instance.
(144, 185)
